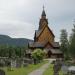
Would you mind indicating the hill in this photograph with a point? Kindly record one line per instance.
(7, 40)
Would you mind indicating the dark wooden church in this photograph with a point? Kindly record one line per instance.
(44, 39)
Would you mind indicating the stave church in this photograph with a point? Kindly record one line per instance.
(44, 39)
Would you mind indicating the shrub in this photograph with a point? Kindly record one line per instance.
(37, 55)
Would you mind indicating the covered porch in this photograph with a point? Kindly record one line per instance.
(54, 53)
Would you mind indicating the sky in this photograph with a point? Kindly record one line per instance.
(20, 18)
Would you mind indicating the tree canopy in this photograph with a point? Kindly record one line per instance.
(12, 51)
(64, 41)
(38, 54)
(72, 43)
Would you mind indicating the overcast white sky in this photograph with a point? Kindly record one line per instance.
(20, 18)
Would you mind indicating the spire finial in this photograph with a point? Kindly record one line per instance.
(43, 7)
(43, 12)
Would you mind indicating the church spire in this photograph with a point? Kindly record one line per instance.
(43, 12)
(43, 21)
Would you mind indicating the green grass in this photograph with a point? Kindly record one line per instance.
(49, 70)
(23, 70)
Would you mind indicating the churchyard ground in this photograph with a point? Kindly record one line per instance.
(23, 70)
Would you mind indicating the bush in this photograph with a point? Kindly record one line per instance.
(37, 55)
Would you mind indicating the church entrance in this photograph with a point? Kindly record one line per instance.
(49, 54)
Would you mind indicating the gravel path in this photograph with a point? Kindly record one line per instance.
(41, 69)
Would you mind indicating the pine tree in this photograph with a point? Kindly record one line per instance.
(64, 42)
(72, 43)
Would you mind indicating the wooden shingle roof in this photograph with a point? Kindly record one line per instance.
(38, 32)
(56, 51)
(38, 44)
(35, 44)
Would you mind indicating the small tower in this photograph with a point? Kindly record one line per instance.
(43, 21)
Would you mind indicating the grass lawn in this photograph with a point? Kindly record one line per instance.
(23, 70)
(49, 71)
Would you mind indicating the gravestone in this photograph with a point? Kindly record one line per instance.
(64, 69)
(2, 72)
(57, 67)
(2, 63)
(11, 64)
(18, 63)
(27, 61)
(71, 70)
(25, 64)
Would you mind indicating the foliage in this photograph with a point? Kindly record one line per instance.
(64, 42)
(72, 43)
(38, 54)
(12, 51)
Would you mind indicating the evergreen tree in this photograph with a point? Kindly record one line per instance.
(12, 51)
(72, 43)
(64, 42)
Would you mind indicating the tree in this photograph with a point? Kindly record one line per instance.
(11, 52)
(72, 43)
(4, 50)
(64, 42)
(37, 55)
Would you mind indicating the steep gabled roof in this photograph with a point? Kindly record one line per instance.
(56, 44)
(56, 51)
(47, 42)
(39, 32)
(43, 44)
(35, 44)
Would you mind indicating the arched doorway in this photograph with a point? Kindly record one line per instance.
(49, 54)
